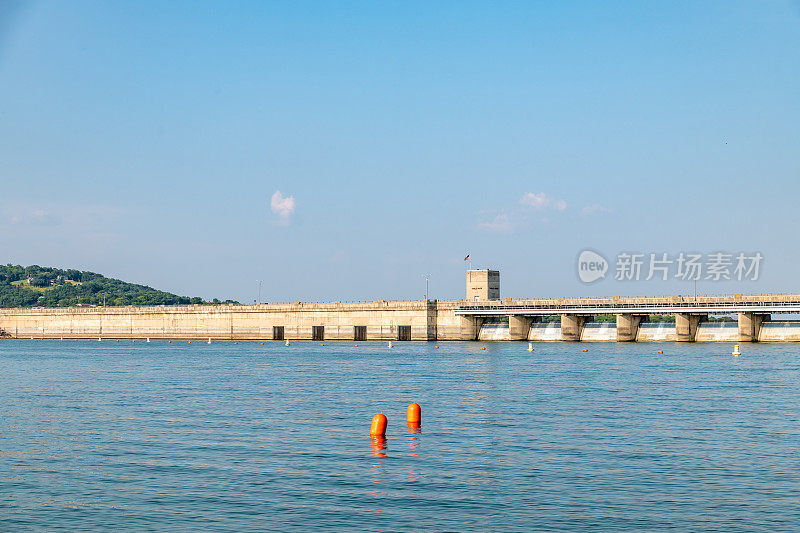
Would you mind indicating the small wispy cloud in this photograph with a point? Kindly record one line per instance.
(283, 207)
(595, 209)
(541, 201)
(530, 206)
(500, 223)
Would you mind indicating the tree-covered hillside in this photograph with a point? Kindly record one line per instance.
(36, 286)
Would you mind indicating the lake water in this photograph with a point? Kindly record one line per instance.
(244, 437)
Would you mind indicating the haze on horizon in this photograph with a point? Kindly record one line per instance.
(340, 151)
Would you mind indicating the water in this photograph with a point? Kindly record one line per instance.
(223, 437)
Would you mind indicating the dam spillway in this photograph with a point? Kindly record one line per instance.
(712, 331)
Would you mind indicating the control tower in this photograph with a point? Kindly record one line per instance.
(483, 285)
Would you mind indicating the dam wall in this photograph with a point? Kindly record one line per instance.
(332, 321)
(346, 321)
(372, 321)
(482, 316)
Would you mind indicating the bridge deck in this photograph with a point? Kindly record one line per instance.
(766, 304)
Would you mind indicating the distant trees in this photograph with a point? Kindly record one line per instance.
(12, 296)
(40, 281)
(63, 288)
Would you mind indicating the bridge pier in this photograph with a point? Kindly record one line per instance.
(572, 327)
(686, 326)
(471, 327)
(519, 327)
(750, 326)
(627, 327)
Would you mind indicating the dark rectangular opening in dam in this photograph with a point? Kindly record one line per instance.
(404, 333)
(317, 333)
(359, 333)
(277, 333)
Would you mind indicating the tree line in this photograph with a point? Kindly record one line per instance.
(37, 286)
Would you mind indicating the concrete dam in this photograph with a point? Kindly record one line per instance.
(481, 316)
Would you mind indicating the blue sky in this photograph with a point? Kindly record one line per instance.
(146, 141)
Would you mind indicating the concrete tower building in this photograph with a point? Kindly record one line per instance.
(483, 285)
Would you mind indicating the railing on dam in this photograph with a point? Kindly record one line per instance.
(780, 304)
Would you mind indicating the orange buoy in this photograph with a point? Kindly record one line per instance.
(414, 415)
(585, 350)
(436, 347)
(660, 352)
(378, 450)
(170, 342)
(483, 347)
(262, 344)
(323, 344)
(356, 345)
(235, 343)
(378, 428)
(190, 342)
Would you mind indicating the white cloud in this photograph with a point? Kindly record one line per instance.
(540, 200)
(594, 209)
(283, 207)
(507, 220)
(500, 223)
(531, 206)
(534, 199)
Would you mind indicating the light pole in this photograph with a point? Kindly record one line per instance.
(427, 279)
(260, 281)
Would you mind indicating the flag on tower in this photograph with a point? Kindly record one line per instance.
(466, 258)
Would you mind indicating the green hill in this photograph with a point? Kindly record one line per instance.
(36, 286)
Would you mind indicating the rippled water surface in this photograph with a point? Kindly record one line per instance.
(245, 437)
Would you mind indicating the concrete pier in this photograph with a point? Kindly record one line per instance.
(470, 328)
(572, 327)
(750, 326)
(519, 327)
(627, 327)
(686, 326)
